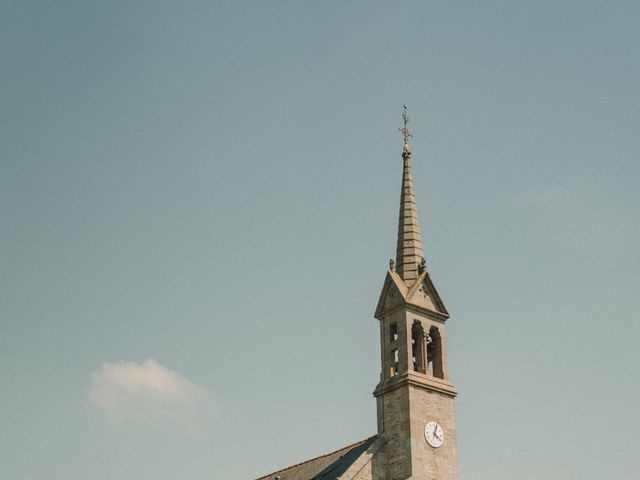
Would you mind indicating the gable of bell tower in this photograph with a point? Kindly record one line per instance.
(422, 294)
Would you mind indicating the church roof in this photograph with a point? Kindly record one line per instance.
(325, 467)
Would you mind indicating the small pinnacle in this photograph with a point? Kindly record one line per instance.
(422, 266)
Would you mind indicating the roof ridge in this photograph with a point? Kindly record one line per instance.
(318, 457)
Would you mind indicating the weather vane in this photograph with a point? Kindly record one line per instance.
(406, 134)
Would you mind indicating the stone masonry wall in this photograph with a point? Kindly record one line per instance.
(432, 463)
(393, 460)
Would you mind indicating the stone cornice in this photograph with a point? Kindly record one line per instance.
(415, 308)
(415, 379)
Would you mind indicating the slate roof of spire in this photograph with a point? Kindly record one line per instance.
(409, 253)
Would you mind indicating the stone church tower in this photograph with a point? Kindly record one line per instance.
(415, 399)
(416, 437)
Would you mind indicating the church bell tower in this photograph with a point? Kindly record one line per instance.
(415, 398)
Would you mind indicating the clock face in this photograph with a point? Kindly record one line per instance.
(434, 434)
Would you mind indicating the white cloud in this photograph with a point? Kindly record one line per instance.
(149, 393)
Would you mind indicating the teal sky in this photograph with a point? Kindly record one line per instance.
(198, 201)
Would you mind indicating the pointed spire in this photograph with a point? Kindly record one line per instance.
(409, 253)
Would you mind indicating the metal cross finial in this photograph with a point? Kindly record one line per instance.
(406, 134)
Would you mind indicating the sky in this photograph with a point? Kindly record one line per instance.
(198, 203)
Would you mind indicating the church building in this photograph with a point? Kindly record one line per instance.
(416, 436)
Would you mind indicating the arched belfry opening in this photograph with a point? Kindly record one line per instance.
(434, 353)
(418, 347)
(393, 354)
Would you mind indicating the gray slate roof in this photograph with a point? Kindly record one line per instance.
(325, 467)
